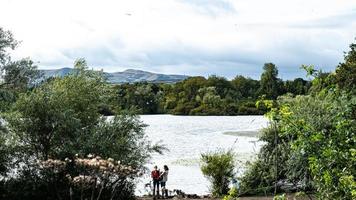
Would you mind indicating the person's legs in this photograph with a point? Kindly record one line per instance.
(157, 191)
(163, 187)
(166, 191)
(155, 188)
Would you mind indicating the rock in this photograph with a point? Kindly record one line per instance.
(193, 196)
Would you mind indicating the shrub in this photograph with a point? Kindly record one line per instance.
(218, 167)
(313, 146)
(232, 195)
(77, 178)
(280, 197)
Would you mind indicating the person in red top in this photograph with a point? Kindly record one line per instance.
(155, 175)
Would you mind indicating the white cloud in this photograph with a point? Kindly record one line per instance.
(180, 36)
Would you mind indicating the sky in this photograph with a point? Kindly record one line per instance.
(190, 37)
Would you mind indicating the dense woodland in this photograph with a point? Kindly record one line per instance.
(207, 96)
(56, 143)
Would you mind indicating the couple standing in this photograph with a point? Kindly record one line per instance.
(160, 178)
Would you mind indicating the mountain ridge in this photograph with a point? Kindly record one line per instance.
(126, 76)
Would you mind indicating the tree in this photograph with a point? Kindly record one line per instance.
(47, 119)
(19, 75)
(346, 71)
(210, 103)
(56, 118)
(311, 142)
(298, 86)
(15, 76)
(269, 81)
(221, 84)
(322, 128)
(60, 119)
(7, 41)
(246, 88)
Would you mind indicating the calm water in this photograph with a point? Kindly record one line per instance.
(187, 137)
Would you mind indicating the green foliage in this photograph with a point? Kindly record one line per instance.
(3, 150)
(121, 138)
(199, 96)
(20, 75)
(219, 168)
(76, 178)
(346, 72)
(275, 163)
(245, 87)
(312, 146)
(298, 86)
(7, 41)
(7, 98)
(310, 142)
(61, 118)
(232, 194)
(280, 197)
(47, 119)
(324, 128)
(270, 84)
(15, 76)
(145, 97)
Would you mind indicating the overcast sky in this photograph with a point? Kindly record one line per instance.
(192, 37)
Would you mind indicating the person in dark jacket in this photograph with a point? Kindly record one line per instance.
(155, 175)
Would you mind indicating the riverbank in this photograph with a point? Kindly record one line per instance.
(289, 196)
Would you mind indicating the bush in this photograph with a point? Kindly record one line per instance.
(232, 195)
(77, 178)
(280, 197)
(218, 167)
(313, 147)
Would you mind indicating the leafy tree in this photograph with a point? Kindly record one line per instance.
(15, 76)
(61, 118)
(312, 145)
(210, 102)
(346, 71)
(246, 88)
(221, 84)
(47, 119)
(269, 81)
(298, 86)
(19, 75)
(323, 127)
(145, 97)
(122, 138)
(191, 87)
(7, 41)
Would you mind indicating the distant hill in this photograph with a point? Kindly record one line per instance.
(127, 76)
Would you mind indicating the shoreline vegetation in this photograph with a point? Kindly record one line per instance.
(55, 137)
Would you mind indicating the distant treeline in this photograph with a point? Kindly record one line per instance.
(205, 96)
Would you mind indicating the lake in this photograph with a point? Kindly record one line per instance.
(187, 137)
